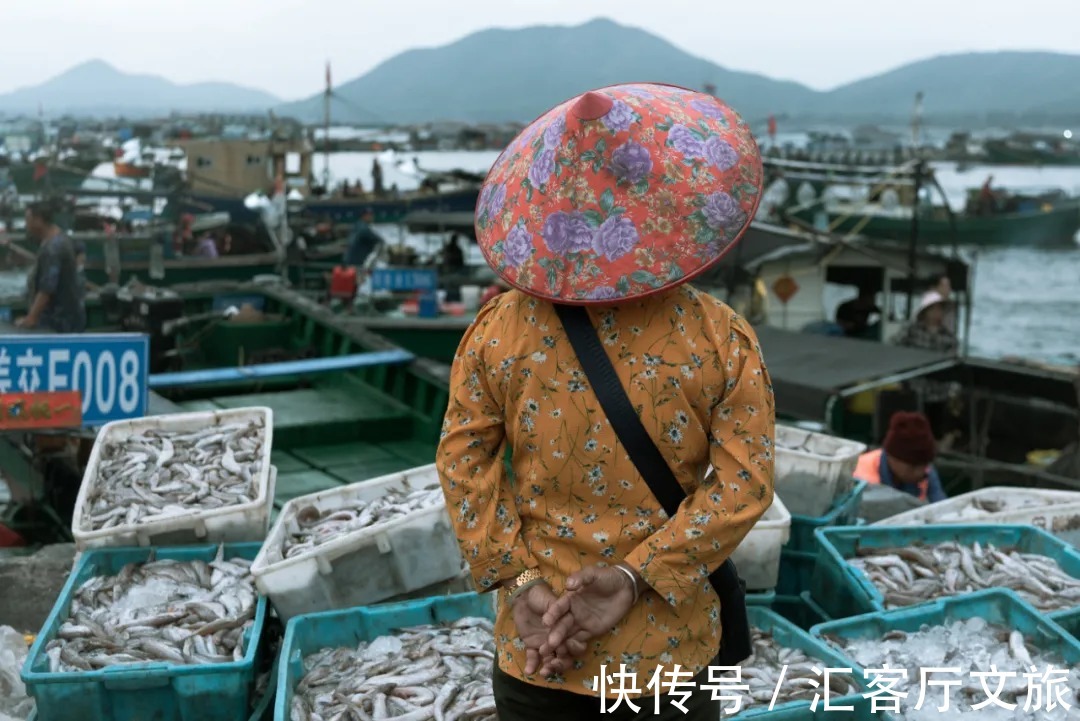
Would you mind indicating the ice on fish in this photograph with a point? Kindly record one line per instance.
(914, 574)
(422, 672)
(971, 645)
(311, 527)
(157, 473)
(180, 612)
(762, 672)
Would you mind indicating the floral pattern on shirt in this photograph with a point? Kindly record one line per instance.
(694, 369)
(637, 200)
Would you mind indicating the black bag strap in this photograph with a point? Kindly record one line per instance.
(626, 424)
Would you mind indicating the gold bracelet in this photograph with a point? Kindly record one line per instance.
(521, 589)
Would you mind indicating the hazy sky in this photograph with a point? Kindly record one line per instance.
(282, 45)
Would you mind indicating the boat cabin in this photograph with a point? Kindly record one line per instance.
(234, 167)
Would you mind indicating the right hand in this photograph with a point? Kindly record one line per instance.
(596, 599)
(528, 612)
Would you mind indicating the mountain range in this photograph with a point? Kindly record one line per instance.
(501, 75)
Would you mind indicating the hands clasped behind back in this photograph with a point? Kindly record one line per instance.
(556, 629)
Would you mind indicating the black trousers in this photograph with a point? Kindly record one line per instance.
(516, 700)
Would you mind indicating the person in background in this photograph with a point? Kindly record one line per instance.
(987, 197)
(453, 257)
(591, 571)
(364, 240)
(56, 293)
(377, 177)
(929, 331)
(206, 247)
(905, 460)
(944, 289)
(854, 315)
(493, 291)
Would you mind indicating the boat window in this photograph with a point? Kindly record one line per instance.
(292, 163)
(203, 162)
(254, 160)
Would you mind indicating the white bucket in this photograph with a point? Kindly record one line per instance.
(470, 297)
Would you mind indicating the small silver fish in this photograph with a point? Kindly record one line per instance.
(310, 527)
(158, 611)
(162, 473)
(414, 674)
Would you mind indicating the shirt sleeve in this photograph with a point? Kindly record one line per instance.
(469, 460)
(713, 520)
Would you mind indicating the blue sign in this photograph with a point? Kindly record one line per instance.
(5, 315)
(109, 369)
(403, 279)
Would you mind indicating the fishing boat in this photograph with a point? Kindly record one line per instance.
(1036, 149)
(884, 203)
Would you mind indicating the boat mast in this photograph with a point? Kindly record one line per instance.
(920, 169)
(326, 131)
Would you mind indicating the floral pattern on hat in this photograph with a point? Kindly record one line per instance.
(622, 203)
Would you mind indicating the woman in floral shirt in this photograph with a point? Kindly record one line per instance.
(613, 200)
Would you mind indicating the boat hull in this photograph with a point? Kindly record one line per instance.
(129, 170)
(1054, 227)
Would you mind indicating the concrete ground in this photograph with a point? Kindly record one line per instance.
(30, 585)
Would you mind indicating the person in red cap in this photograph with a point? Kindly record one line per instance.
(611, 203)
(905, 460)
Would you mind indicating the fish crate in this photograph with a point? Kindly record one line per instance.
(758, 555)
(1057, 512)
(801, 610)
(365, 566)
(996, 606)
(238, 523)
(845, 591)
(764, 600)
(791, 636)
(812, 469)
(843, 512)
(203, 692)
(796, 572)
(308, 633)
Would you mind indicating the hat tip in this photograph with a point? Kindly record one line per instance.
(592, 106)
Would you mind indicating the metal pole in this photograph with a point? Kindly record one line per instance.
(326, 131)
(913, 247)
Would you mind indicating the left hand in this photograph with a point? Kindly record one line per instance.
(596, 599)
(26, 322)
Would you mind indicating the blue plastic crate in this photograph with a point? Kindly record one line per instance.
(159, 691)
(843, 512)
(801, 610)
(788, 634)
(997, 606)
(761, 599)
(845, 591)
(796, 572)
(311, 632)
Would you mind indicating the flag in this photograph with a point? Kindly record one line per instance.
(327, 74)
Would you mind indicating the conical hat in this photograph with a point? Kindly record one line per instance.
(619, 193)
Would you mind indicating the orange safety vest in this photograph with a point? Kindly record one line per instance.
(869, 469)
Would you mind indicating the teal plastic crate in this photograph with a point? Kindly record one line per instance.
(204, 692)
(843, 512)
(311, 632)
(997, 606)
(761, 599)
(788, 634)
(801, 610)
(796, 572)
(845, 591)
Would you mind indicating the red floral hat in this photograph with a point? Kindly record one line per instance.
(619, 193)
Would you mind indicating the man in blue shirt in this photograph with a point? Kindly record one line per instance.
(364, 240)
(55, 285)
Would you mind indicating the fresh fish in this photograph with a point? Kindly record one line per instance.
(311, 527)
(969, 646)
(419, 673)
(762, 672)
(163, 473)
(177, 612)
(915, 574)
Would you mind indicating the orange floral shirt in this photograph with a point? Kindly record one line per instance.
(695, 371)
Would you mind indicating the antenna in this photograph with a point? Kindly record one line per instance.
(326, 130)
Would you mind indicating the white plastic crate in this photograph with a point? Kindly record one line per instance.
(758, 556)
(813, 468)
(1057, 512)
(244, 522)
(365, 566)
